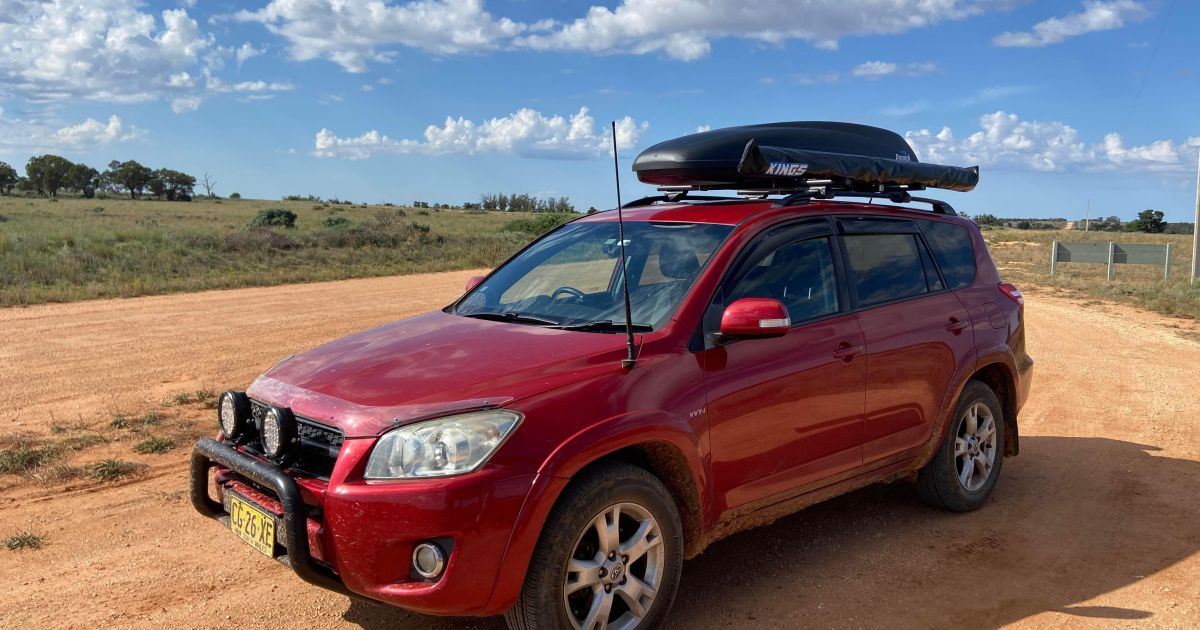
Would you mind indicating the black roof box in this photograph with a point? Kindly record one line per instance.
(791, 155)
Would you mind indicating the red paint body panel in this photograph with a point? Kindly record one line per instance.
(748, 421)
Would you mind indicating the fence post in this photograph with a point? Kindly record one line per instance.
(1112, 252)
(1053, 257)
(1167, 264)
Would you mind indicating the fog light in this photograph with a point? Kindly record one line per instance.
(428, 560)
(233, 411)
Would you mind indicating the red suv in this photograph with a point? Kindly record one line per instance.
(505, 455)
(496, 456)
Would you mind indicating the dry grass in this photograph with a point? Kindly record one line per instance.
(1023, 257)
(75, 249)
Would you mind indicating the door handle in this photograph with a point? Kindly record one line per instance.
(956, 325)
(847, 352)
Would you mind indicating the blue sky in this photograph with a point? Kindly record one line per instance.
(442, 100)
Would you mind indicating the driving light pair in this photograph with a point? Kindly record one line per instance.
(441, 447)
(234, 416)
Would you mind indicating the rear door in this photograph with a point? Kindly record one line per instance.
(916, 330)
(785, 413)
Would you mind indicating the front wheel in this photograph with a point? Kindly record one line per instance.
(963, 472)
(609, 557)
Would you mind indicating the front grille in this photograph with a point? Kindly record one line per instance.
(319, 443)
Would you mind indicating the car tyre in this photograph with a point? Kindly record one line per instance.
(584, 568)
(963, 472)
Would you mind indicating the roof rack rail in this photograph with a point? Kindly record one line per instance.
(672, 197)
(896, 196)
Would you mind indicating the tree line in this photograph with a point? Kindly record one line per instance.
(1149, 221)
(47, 175)
(521, 202)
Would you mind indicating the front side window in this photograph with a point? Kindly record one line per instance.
(799, 274)
(571, 277)
(885, 267)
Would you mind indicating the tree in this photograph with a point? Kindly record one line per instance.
(1150, 221)
(48, 173)
(8, 178)
(130, 175)
(84, 179)
(209, 184)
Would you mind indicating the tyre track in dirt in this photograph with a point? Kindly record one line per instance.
(1095, 524)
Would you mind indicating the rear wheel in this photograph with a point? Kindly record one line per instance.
(963, 472)
(610, 556)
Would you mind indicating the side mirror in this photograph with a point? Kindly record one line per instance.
(473, 282)
(751, 318)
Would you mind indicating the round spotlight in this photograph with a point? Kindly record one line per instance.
(278, 431)
(428, 560)
(233, 411)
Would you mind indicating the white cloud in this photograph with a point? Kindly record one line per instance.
(880, 69)
(34, 135)
(526, 133)
(1004, 140)
(703, 128)
(104, 50)
(107, 50)
(247, 51)
(94, 132)
(684, 29)
(1097, 15)
(354, 33)
(185, 104)
(215, 84)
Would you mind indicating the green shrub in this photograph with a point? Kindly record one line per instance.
(24, 540)
(154, 445)
(336, 222)
(235, 195)
(25, 455)
(114, 469)
(274, 217)
(539, 224)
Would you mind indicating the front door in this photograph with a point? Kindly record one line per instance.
(785, 412)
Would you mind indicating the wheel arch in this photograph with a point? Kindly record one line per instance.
(1000, 379)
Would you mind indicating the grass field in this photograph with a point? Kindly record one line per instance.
(74, 249)
(1023, 257)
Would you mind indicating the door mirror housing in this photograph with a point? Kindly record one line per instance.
(473, 282)
(753, 318)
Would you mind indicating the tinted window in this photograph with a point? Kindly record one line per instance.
(798, 274)
(952, 248)
(885, 267)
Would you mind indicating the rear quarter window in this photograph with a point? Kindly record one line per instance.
(953, 251)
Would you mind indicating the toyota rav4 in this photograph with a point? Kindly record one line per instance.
(504, 456)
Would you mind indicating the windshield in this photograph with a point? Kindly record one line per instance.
(572, 277)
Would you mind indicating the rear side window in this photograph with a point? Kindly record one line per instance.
(885, 267)
(952, 248)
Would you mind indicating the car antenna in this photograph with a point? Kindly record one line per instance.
(632, 357)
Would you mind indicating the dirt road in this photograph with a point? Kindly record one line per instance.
(1095, 524)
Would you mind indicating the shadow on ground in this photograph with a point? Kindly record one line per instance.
(1071, 519)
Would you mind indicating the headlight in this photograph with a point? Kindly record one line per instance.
(278, 431)
(233, 411)
(441, 447)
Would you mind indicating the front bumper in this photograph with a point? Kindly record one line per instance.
(294, 510)
(362, 545)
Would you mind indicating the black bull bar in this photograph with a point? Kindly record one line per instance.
(209, 452)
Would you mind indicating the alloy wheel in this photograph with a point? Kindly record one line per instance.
(615, 569)
(975, 446)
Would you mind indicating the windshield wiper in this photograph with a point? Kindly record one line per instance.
(605, 325)
(511, 316)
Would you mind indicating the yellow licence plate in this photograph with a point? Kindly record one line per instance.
(252, 525)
